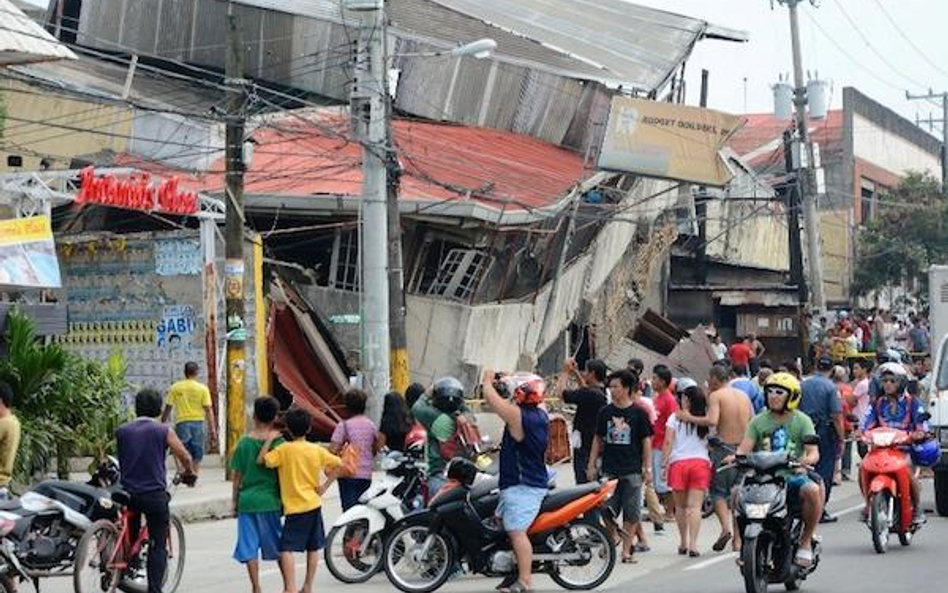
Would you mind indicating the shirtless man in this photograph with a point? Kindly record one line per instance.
(729, 412)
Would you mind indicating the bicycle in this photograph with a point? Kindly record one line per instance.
(109, 558)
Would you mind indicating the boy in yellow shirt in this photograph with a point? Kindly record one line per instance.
(299, 465)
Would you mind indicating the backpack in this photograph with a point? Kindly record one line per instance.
(349, 454)
(465, 442)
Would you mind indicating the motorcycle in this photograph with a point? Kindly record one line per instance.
(771, 533)
(885, 476)
(459, 525)
(41, 529)
(354, 545)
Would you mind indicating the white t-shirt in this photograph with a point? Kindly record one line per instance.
(688, 445)
(720, 350)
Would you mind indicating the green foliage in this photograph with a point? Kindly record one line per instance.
(67, 405)
(907, 236)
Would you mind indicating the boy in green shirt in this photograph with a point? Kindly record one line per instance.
(257, 495)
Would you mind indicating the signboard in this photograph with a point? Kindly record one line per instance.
(136, 192)
(667, 140)
(28, 254)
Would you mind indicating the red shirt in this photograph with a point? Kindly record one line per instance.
(740, 353)
(665, 406)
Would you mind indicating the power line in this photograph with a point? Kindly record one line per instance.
(908, 39)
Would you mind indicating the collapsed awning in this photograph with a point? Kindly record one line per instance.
(304, 361)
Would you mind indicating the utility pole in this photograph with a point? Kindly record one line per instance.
(234, 236)
(701, 208)
(792, 193)
(368, 101)
(401, 370)
(944, 131)
(806, 174)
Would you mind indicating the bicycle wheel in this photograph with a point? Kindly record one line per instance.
(135, 580)
(94, 552)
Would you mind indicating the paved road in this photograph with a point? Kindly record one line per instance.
(849, 564)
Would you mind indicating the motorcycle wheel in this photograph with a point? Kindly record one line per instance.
(402, 559)
(879, 521)
(707, 506)
(754, 560)
(91, 573)
(589, 538)
(343, 557)
(137, 581)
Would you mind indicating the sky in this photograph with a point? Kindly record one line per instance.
(835, 49)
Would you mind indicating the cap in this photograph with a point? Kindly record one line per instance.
(825, 363)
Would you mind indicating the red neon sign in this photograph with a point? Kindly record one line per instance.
(137, 192)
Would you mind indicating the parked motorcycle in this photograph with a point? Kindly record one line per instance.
(459, 525)
(771, 533)
(41, 529)
(354, 545)
(885, 476)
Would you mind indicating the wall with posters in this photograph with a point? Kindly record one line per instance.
(142, 294)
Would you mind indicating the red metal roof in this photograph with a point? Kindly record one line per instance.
(761, 137)
(299, 157)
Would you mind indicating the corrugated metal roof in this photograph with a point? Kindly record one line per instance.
(23, 41)
(759, 141)
(494, 169)
(632, 45)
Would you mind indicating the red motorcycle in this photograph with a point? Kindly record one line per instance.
(885, 478)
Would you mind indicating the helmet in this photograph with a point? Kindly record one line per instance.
(896, 369)
(682, 384)
(788, 382)
(448, 395)
(526, 389)
(106, 474)
(461, 470)
(926, 453)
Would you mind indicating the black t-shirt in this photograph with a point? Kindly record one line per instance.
(622, 431)
(588, 402)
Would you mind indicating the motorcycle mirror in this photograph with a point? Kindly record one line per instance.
(925, 417)
(811, 439)
(715, 441)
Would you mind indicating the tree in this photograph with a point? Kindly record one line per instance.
(906, 237)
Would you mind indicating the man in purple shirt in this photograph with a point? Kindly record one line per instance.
(143, 445)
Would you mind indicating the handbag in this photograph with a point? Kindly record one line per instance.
(349, 454)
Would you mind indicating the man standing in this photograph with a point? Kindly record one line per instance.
(191, 401)
(589, 398)
(719, 347)
(741, 381)
(918, 337)
(523, 477)
(143, 445)
(437, 414)
(729, 411)
(822, 404)
(757, 352)
(665, 407)
(638, 368)
(741, 352)
(623, 440)
(9, 438)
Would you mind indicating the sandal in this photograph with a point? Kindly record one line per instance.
(641, 548)
(517, 587)
(694, 553)
(629, 560)
(507, 583)
(721, 542)
(682, 551)
(803, 558)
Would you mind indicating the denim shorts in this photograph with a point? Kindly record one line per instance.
(303, 532)
(258, 535)
(192, 437)
(519, 506)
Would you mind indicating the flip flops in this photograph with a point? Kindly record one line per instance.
(721, 542)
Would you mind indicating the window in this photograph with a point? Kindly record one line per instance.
(867, 202)
(459, 274)
(344, 265)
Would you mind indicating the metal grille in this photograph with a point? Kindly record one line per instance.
(459, 275)
(346, 276)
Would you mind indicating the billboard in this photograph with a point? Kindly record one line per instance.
(28, 254)
(666, 140)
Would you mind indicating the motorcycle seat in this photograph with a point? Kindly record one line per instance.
(560, 498)
(10, 505)
(484, 487)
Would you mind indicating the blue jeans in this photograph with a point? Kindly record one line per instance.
(192, 437)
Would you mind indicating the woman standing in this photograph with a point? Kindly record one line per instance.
(688, 465)
(396, 423)
(360, 432)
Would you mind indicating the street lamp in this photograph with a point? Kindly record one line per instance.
(480, 49)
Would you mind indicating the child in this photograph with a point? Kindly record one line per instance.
(299, 465)
(257, 494)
